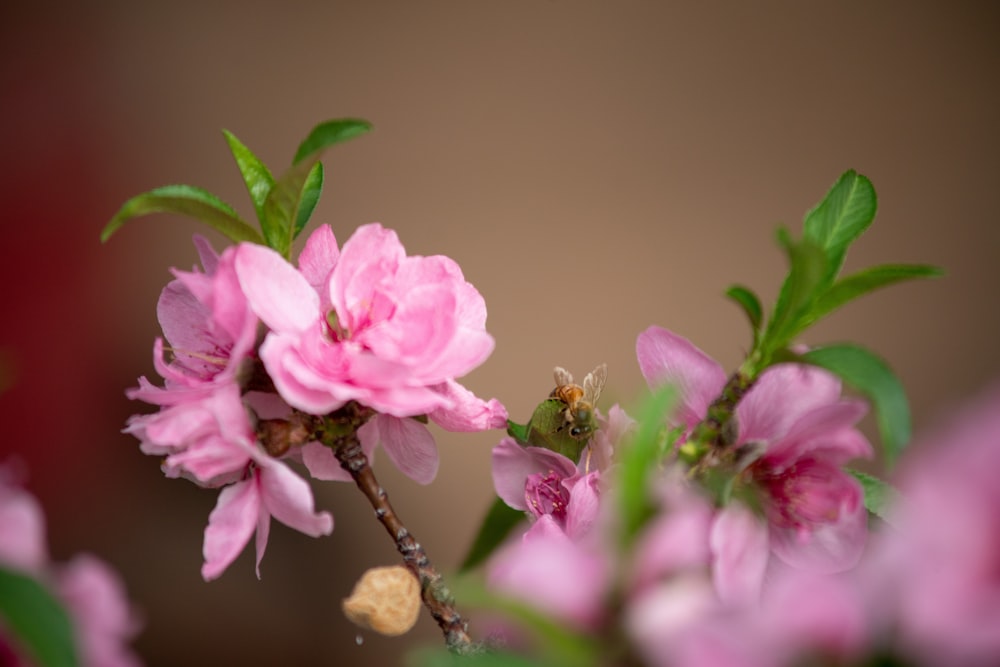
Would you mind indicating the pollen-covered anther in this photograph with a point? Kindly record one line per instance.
(386, 600)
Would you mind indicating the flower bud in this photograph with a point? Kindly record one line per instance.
(386, 600)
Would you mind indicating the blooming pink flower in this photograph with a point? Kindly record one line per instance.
(372, 325)
(802, 433)
(90, 591)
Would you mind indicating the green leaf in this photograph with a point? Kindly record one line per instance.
(185, 200)
(311, 191)
(870, 375)
(555, 643)
(284, 201)
(518, 431)
(547, 428)
(256, 175)
(639, 459)
(880, 496)
(500, 520)
(844, 213)
(807, 265)
(851, 287)
(37, 620)
(748, 301)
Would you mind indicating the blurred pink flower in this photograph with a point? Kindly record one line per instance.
(937, 571)
(800, 431)
(90, 591)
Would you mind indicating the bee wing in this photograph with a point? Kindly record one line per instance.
(562, 376)
(593, 384)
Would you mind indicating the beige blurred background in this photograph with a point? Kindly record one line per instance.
(594, 167)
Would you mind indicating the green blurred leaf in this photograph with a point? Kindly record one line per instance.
(880, 496)
(281, 208)
(441, 657)
(638, 459)
(555, 644)
(185, 200)
(748, 301)
(518, 431)
(256, 175)
(870, 375)
(851, 287)
(311, 191)
(844, 213)
(500, 520)
(807, 265)
(37, 620)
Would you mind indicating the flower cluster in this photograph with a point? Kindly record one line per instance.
(90, 592)
(365, 324)
(775, 572)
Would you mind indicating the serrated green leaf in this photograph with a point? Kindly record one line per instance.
(189, 201)
(500, 520)
(880, 496)
(851, 287)
(311, 191)
(256, 175)
(638, 460)
(281, 208)
(750, 303)
(37, 620)
(840, 218)
(807, 265)
(870, 375)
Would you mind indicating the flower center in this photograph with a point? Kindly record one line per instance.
(545, 494)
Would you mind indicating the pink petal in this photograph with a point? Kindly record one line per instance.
(371, 254)
(512, 464)
(584, 503)
(206, 253)
(408, 444)
(468, 412)
(296, 381)
(229, 526)
(828, 428)
(277, 292)
(782, 395)
(318, 258)
(666, 358)
(674, 542)
(740, 551)
(322, 464)
(289, 499)
(22, 528)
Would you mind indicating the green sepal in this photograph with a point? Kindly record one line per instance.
(880, 496)
(807, 266)
(870, 375)
(547, 428)
(498, 523)
(750, 304)
(285, 200)
(256, 175)
(858, 284)
(638, 460)
(840, 218)
(39, 623)
(189, 201)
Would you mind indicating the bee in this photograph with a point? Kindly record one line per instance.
(579, 416)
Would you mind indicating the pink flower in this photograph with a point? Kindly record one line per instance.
(89, 590)
(937, 571)
(370, 324)
(801, 433)
(270, 489)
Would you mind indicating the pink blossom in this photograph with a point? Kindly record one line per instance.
(397, 329)
(90, 591)
(937, 571)
(372, 325)
(270, 489)
(801, 433)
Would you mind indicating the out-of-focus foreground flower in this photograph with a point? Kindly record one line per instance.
(91, 592)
